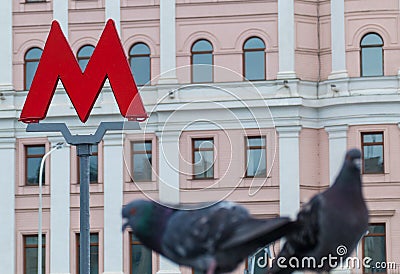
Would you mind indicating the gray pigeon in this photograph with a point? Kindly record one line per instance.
(330, 225)
(211, 239)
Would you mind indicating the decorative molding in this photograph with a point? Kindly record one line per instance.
(337, 132)
(288, 131)
(382, 212)
(338, 74)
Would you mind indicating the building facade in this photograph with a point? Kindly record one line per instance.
(250, 101)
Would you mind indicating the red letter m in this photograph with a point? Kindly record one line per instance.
(58, 62)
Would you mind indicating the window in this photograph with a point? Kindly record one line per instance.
(140, 257)
(31, 254)
(256, 157)
(254, 59)
(94, 253)
(34, 1)
(371, 55)
(139, 59)
(94, 165)
(372, 149)
(202, 60)
(374, 247)
(258, 263)
(84, 55)
(141, 161)
(203, 158)
(33, 158)
(32, 58)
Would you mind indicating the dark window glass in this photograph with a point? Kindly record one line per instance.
(203, 158)
(140, 257)
(374, 247)
(94, 165)
(139, 59)
(31, 254)
(33, 158)
(254, 59)
(202, 60)
(142, 161)
(256, 157)
(258, 263)
(371, 55)
(84, 55)
(372, 148)
(94, 253)
(32, 58)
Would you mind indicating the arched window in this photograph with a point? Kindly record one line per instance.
(202, 60)
(32, 58)
(84, 54)
(371, 55)
(254, 59)
(139, 59)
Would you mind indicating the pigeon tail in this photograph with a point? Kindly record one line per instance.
(337, 216)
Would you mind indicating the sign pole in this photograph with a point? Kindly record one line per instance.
(83, 144)
(83, 89)
(84, 151)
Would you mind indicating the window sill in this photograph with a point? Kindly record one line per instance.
(256, 181)
(93, 188)
(370, 178)
(191, 183)
(202, 179)
(34, 6)
(140, 186)
(29, 189)
(33, 2)
(255, 178)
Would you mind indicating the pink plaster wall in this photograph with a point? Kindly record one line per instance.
(26, 223)
(309, 168)
(151, 186)
(323, 158)
(226, 24)
(139, 23)
(325, 39)
(20, 187)
(229, 171)
(31, 24)
(96, 226)
(314, 174)
(362, 17)
(306, 40)
(230, 165)
(382, 190)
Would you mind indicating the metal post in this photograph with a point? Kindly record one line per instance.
(84, 151)
(83, 144)
(57, 146)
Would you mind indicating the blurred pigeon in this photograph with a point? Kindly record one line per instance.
(211, 239)
(331, 224)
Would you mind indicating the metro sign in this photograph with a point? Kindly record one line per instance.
(58, 62)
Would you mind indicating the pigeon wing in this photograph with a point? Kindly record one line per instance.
(259, 231)
(195, 233)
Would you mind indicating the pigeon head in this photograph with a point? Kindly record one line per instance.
(136, 214)
(353, 158)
